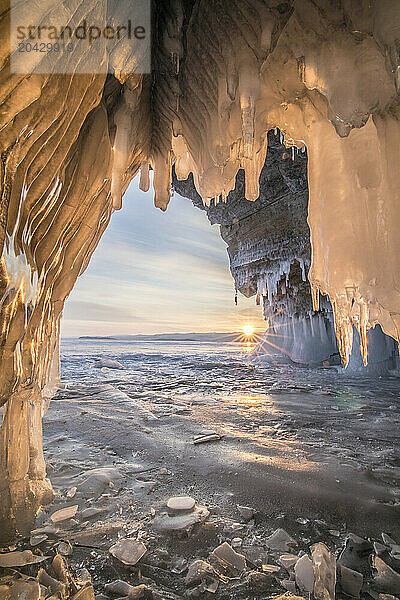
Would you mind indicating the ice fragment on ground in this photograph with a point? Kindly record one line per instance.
(85, 593)
(71, 492)
(379, 548)
(118, 588)
(35, 540)
(64, 513)
(280, 540)
(269, 569)
(179, 565)
(16, 587)
(92, 513)
(107, 362)
(260, 581)
(214, 437)
(304, 574)
(288, 561)
(59, 569)
(95, 482)
(388, 540)
(181, 503)
(289, 585)
(201, 578)
(20, 559)
(356, 554)
(324, 564)
(53, 585)
(225, 558)
(128, 551)
(83, 576)
(246, 512)
(351, 581)
(64, 548)
(386, 579)
(165, 523)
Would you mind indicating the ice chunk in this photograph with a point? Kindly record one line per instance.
(324, 564)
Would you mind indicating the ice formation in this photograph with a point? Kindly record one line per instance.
(325, 73)
(270, 255)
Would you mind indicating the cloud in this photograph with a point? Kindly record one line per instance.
(156, 272)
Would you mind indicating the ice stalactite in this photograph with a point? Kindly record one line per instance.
(356, 263)
(144, 182)
(307, 340)
(124, 147)
(162, 181)
(120, 153)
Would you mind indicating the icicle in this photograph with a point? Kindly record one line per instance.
(121, 148)
(303, 270)
(249, 86)
(269, 290)
(144, 182)
(248, 113)
(252, 181)
(362, 330)
(315, 297)
(23, 282)
(286, 271)
(281, 137)
(304, 327)
(311, 318)
(344, 332)
(292, 153)
(162, 181)
(322, 328)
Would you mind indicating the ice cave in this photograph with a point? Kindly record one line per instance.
(279, 118)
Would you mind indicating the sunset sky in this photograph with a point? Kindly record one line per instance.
(157, 272)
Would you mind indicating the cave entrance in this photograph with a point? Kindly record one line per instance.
(156, 273)
(142, 426)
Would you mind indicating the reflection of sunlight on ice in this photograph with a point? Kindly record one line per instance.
(294, 462)
(250, 400)
(259, 402)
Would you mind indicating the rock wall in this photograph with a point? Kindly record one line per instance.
(270, 253)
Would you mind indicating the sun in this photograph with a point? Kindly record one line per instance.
(248, 330)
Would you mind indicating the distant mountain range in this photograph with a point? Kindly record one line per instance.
(170, 337)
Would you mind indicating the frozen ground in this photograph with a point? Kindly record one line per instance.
(314, 452)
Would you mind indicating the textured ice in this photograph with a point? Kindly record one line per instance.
(325, 74)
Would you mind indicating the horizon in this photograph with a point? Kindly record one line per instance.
(156, 272)
(257, 330)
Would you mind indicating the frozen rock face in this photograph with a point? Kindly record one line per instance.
(270, 253)
(326, 73)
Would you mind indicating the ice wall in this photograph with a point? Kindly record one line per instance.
(329, 80)
(269, 251)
